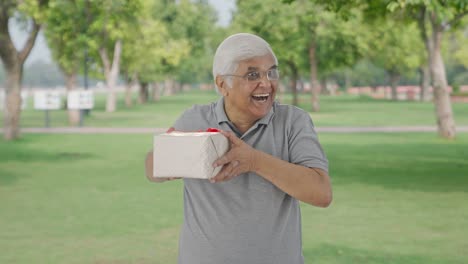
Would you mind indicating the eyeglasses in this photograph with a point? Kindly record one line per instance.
(255, 76)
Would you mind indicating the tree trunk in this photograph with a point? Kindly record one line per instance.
(111, 73)
(424, 82)
(144, 93)
(293, 85)
(156, 92)
(128, 90)
(347, 82)
(111, 100)
(293, 82)
(12, 110)
(394, 80)
(315, 86)
(169, 86)
(280, 93)
(73, 114)
(13, 61)
(323, 86)
(425, 68)
(177, 87)
(128, 94)
(443, 105)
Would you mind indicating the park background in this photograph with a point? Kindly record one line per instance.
(75, 193)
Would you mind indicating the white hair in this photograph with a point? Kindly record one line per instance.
(236, 48)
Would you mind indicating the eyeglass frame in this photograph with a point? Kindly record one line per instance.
(262, 73)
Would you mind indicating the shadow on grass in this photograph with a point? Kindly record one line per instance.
(410, 166)
(20, 152)
(7, 177)
(334, 254)
(32, 155)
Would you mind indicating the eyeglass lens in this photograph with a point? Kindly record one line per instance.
(272, 75)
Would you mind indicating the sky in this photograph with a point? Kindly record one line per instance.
(42, 52)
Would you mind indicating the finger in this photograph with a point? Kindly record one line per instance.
(235, 163)
(223, 174)
(231, 176)
(218, 176)
(232, 138)
(225, 159)
(230, 171)
(235, 171)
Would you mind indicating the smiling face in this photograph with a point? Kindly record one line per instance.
(247, 101)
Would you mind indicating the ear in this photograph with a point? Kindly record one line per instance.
(222, 85)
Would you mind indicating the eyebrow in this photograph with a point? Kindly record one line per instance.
(251, 68)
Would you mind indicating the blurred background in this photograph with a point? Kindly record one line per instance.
(85, 84)
(390, 50)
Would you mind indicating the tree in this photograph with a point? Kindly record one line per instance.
(150, 49)
(456, 56)
(109, 23)
(365, 73)
(396, 48)
(308, 39)
(461, 51)
(32, 13)
(65, 32)
(436, 17)
(195, 22)
(141, 59)
(282, 33)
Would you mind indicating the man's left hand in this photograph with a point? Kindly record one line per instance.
(239, 159)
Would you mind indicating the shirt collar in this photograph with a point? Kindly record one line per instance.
(222, 117)
(219, 111)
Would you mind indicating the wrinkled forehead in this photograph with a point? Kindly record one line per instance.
(258, 63)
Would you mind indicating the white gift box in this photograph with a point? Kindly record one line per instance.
(188, 155)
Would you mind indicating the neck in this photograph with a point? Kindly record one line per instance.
(242, 127)
(242, 123)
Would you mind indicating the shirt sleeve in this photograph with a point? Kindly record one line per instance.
(189, 121)
(196, 118)
(180, 123)
(304, 146)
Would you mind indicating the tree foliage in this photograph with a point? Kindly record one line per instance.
(396, 47)
(66, 33)
(149, 46)
(192, 24)
(306, 36)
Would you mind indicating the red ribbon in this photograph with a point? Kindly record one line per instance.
(211, 129)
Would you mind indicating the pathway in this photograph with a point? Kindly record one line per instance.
(146, 130)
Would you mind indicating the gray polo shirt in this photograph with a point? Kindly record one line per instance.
(248, 219)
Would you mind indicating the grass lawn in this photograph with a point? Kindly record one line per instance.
(344, 110)
(398, 198)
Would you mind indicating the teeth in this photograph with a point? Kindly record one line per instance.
(261, 95)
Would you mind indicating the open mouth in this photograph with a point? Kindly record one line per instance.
(261, 97)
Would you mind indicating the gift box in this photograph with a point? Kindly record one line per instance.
(188, 155)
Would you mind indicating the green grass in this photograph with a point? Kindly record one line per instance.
(344, 110)
(350, 110)
(153, 114)
(398, 198)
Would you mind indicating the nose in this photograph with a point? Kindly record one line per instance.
(263, 81)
